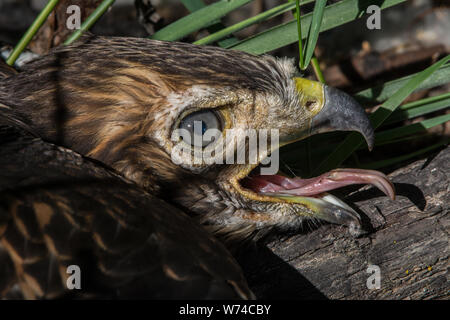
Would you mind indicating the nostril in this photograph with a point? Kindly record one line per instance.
(309, 104)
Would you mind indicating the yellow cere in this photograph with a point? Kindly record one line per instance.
(310, 91)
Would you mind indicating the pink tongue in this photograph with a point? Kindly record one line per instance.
(328, 181)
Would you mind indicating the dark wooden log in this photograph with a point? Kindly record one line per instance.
(408, 239)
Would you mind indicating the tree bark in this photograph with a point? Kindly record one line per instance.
(408, 239)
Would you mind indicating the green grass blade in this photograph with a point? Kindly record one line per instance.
(400, 159)
(197, 20)
(421, 102)
(396, 99)
(412, 110)
(403, 139)
(354, 140)
(334, 15)
(314, 29)
(215, 26)
(383, 92)
(29, 34)
(299, 33)
(193, 5)
(89, 22)
(384, 137)
(317, 71)
(266, 15)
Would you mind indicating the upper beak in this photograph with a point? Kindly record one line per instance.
(340, 112)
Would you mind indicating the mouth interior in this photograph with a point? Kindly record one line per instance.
(273, 185)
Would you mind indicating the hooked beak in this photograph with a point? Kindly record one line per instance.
(337, 111)
(329, 110)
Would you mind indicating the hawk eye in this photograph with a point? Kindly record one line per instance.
(202, 127)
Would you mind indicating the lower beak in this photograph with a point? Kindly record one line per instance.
(331, 209)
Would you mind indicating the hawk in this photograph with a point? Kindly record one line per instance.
(89, 178)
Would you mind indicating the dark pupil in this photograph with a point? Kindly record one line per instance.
(203, 128)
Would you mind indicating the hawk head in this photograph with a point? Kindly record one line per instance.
(194, 125)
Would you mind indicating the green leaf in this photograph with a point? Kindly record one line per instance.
(419, 108)
(314, 29)
(425, 101)
(394, 101)
(334, 15)
(266, 15)
(316, 67)
(197, 20)
(215, 26)
(26, 38)
(383, 92)
(193, 5)
(419, 127)
(400, 159)
(299, 33)
(354, 140)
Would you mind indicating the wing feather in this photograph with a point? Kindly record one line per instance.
(58, 209)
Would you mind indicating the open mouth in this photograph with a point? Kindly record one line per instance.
(312, 193)
(315, 187)
(340, 112)
(309, 197)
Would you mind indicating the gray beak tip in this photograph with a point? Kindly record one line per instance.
(370, 139)
(343, 113)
